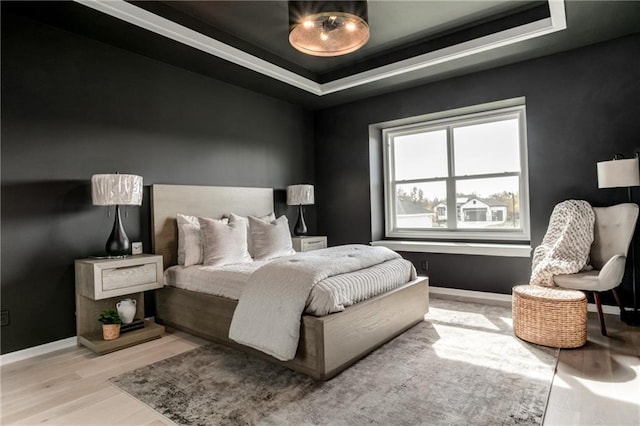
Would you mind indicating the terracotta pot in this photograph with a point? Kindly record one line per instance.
(110, 331)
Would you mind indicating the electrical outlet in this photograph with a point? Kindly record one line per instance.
(4, 318)
(424, 265)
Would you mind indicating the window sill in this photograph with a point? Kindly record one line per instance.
(478, 249)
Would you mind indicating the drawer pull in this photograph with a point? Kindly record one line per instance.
(127, 267)
(128, 276)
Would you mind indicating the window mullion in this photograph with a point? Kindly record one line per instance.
(408, 181)
(391, 181)
(452, 211)
(488, 175)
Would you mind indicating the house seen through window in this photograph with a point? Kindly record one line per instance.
(458, 177)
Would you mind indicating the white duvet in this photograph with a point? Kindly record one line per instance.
(330, 295)
(268, 314)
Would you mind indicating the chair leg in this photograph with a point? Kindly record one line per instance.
(618, 301)
(603, 328)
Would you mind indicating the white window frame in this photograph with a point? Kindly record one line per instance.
(508, 109)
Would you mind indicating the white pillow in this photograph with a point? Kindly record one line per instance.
(236, 218)
(192, 244)
(182, 219)
(191, 247)
(270, 239)
(223, 244)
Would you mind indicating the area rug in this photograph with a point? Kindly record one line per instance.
(461, 366)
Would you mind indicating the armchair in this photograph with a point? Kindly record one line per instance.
(613, 231)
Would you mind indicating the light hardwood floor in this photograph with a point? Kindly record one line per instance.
(598, 384)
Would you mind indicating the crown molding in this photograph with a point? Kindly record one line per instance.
(144, 19)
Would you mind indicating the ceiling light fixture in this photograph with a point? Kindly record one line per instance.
(328, 28)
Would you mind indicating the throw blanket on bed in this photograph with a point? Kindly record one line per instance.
(566, 245)
(268, 314)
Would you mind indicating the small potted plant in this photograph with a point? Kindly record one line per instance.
(110, 324)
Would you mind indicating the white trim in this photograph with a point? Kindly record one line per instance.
(501, 110)
(149, 21)
(471, 296)
(496, 298)
(38, 350)
(557, 14)
(447, 54)
(478, 249)
(137, 16)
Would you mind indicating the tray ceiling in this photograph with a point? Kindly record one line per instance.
(405, 36)
(245, 43)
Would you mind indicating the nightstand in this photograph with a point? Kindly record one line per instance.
(101, 283)
(302, 244)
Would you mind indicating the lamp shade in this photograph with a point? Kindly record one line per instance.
(117, 189)
(618, 173)
(299, 195)
(328, 28)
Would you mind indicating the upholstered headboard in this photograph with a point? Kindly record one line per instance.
(207, 201)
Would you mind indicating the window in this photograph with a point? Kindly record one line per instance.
(458, 176)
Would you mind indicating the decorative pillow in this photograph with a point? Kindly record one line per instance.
(223, 244)
(194, 245)
(236, 218)
(270, 239)
(183, 219)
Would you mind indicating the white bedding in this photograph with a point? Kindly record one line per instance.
(330, 295)
(269, 311)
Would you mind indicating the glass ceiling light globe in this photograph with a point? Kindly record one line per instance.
(328, 28)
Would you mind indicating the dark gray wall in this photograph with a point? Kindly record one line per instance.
(73, 107)
(582, 107)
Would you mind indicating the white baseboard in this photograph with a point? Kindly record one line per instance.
(441, 292)
(38, 350)
(496, 298)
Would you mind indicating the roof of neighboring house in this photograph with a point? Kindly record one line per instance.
(494, 203)
(464, 200)
(489, 202)
(410, 207)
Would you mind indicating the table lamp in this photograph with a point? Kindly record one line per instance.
(117, 190)
(300, 195)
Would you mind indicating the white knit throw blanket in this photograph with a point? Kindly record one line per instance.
(566, 245)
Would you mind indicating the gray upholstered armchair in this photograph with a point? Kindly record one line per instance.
(613, 231)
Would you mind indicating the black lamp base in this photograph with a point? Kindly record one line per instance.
(631, 318)
(118, 243)
(301, 227)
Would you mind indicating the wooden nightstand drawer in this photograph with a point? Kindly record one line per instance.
(128, 276)
(101, 284)
(302, 244)
(103, 278)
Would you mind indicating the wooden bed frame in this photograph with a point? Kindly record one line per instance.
(328, 344)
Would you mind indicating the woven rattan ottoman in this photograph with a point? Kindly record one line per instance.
(550, 316)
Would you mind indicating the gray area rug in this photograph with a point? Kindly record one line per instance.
(462, 366)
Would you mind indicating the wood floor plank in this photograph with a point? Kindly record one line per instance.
(596, 384)
(49, 390)
(53, 414)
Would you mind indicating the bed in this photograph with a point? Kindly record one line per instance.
(328, 344)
